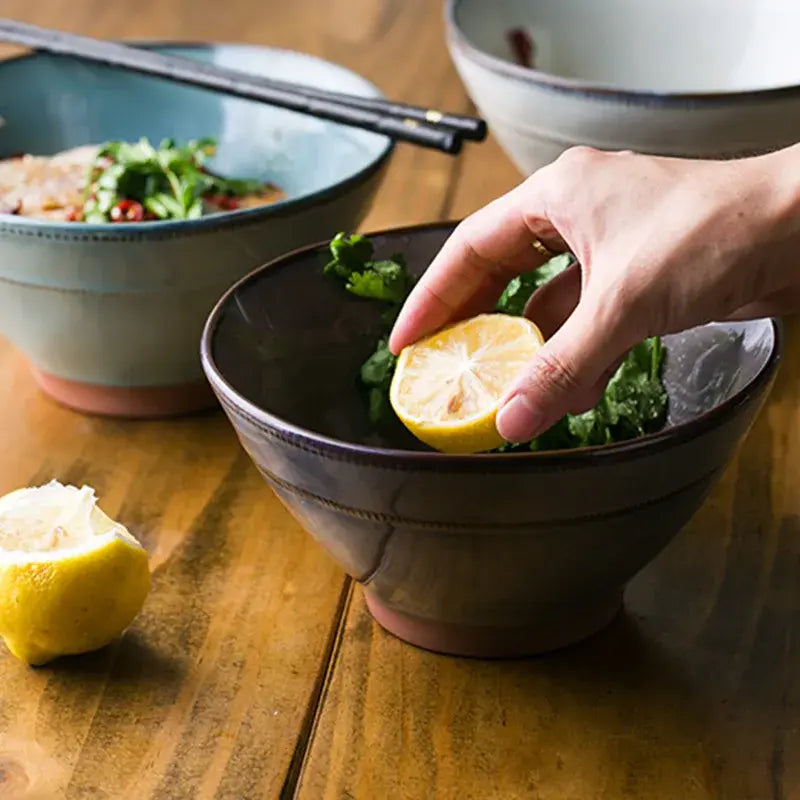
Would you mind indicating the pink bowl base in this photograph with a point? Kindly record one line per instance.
(132, 402)
(490, 641)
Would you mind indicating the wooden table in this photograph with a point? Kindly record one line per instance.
(255, 671)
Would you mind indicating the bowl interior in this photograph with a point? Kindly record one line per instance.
(49, 104)
(680, 46)
(289, 342)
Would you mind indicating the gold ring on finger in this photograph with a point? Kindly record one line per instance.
(543, 250)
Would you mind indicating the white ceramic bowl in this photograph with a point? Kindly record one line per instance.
(694, 78)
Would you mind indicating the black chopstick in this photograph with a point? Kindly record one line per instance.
(366, 113)
(471, 128)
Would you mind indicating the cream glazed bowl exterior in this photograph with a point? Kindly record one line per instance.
(707, 79)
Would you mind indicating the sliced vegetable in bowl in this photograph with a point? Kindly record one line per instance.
(131, 182)
(122, 181)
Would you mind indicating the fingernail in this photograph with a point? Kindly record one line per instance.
(518, 420)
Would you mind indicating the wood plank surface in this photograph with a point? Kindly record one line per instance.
(693, 693)
(212, 691)
(255, 664)
(210, 687)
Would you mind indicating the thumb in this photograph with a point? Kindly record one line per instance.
(567, 369)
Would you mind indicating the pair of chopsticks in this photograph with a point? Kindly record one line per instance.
(425, 127)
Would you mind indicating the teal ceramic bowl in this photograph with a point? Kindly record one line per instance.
(110, 316)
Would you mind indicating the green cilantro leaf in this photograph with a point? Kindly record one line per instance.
(376, 375)
(517, 293)
(169, 181)
(633, 404)
(381, 280)
(348, 254)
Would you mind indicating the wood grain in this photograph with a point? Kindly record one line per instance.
(255, 665)
(693, 693)
(209, 689)
(484, 173)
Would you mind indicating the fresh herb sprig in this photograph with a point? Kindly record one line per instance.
(517, 293)
(386, 280)
(633, 404)
(132, 181)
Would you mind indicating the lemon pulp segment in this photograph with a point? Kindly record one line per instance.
(447, 387)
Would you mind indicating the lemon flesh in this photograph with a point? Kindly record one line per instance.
(447, 387)
(71, 578)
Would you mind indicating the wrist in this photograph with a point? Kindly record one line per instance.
(775, 199)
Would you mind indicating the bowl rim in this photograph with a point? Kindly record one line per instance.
(13, 223)
(309, 440)
(581, 87)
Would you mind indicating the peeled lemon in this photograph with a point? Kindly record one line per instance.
(447, 387)
(71, 579)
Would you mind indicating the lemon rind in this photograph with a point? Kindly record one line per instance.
(92, 543)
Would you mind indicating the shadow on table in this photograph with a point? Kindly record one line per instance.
(693, 691)
(130, 660)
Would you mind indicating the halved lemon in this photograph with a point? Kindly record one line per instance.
(71, 579)
(447, 387)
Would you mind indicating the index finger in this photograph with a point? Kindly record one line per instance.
(475, 264)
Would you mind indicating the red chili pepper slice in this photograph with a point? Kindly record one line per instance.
(127, 211)
(226, 202)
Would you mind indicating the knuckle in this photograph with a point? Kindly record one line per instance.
(464, 236)
(622, 307)
(551, 373)
(579, 156)
(567, 176)
(464, 230)
(471, 237)
(481, 264)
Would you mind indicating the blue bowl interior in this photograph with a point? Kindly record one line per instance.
(301, 368)
(49, 103)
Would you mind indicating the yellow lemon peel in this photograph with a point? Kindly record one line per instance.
(71, 578)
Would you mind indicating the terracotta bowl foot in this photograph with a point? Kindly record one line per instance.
(495, 642)
(133, 402)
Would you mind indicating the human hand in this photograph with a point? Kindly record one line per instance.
(663, 245)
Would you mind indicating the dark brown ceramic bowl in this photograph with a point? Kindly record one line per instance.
(489, 555)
